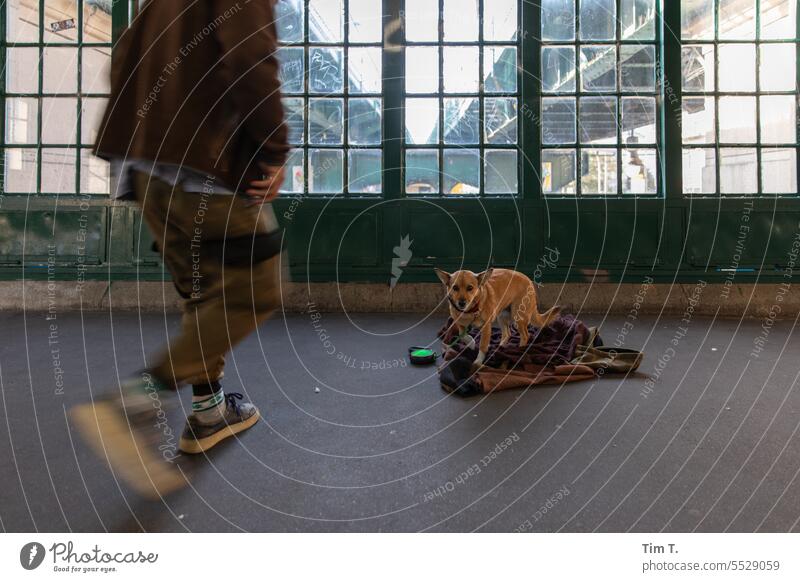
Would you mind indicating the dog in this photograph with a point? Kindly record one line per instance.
(503, 295)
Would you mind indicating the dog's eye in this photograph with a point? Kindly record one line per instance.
(469, 287)
(455, 287)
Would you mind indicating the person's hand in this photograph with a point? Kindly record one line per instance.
(266, 190)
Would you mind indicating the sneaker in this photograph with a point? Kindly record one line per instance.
(198, 438)
(133, 441)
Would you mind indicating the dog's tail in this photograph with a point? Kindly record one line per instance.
(542, 320)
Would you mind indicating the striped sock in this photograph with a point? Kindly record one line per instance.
(208, 408)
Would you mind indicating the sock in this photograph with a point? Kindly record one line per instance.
(208, 402)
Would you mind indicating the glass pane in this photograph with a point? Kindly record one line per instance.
(22, 21)
(558, 171)
(365, 120)
(59, 120)
(422, 121)
(96, 21)
(421, 21)
(639, 171)
(58, 170)
(697, 19)
(598, 19)
(325, 121)
(500, 69)
(558, 20)
(500, 125)
(779, 19)
(20, 170)
(777, 62)
(638, 120)
(364, 171)
(461, 126)
(365, 69)
(366, 21)
(461, 69)
(558, 120)
(737, 67)
(460, 20)
(697, 64)
(737, 119)
(637, 68)
(295, 172)
(598, 120)
(325, 70)
(92, 110)
(60, 70)
(779, 171)
(95, 177)
(22, 120)
(461, 173)
(638, 19)
(289, 16)
(558, 69)
(22, 70)
(737, 172)
(60, 21)
(500, 172)
(326, 20)
(737, 19)
(292, 69)
(422, 171)
(422, 69)
(697, 124)
(699, 171)
(598, 68)
(778, 119)
(295, 117)
(95, 70)
(599, 171)
(500, 20)
(326, 171)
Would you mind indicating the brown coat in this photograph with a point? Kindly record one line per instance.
(196, 84)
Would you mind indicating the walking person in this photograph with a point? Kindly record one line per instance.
(194, 133)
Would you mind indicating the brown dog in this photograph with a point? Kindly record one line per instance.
(478, 299)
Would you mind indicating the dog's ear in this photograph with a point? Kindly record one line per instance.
(444, 277)
(482, 277)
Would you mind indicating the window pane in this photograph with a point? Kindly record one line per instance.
(461, 69)
(422, 121)
(20, 170)
(96, 21)
(422, 69)
(325, 121)
(326, 171)
(294, 111)
(598, 120)
(59, 120)
(500, 69)
(60, 70)
(365, 120)
(697, 124)
(637, 68)
(777, 63)
(325, 71)
(366, 21)
(697, 19)
(326, 20)
(500, 172)
(638, 19)
(365, 69)
(558, 20)
(737, 173)
(95, 177)
(639, 171)
(295, 172)
(638, 120)
(461, 125)
(364, 171)
(500, 20)
(460, 20)
(22, 120)
(737, 19)
(289, 16)
(421, 20)
(558, 171)
(95, 70)
(779, 171)
(22, 21)
(737, 119)
(697, 64)
(92, 110)
(22, 70)
(737, 67)
(60, 21)
(778, 119)
(599, 171)
(422, 171)
(558, 121)
(699, 171)
(598, 68)
(558, 69)
(58, 170)
(598, 19)
(292, 69)
(462, 171)
(778, 19)
(500, 123)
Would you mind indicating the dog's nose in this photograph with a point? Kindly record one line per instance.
(462, 302)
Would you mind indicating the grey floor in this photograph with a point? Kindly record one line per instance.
(712, 446)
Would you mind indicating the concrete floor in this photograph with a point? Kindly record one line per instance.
(713, 445)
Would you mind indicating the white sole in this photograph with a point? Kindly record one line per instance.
(194, 447)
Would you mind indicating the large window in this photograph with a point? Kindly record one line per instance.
(739, 87)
